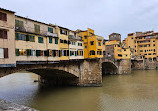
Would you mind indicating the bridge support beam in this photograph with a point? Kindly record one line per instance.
(91, 73)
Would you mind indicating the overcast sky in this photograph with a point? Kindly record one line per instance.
(104, 16)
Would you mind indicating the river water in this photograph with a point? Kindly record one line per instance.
(137, 91)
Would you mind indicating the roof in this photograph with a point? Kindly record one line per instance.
(7, 10)
(115, 33)
(35, 20)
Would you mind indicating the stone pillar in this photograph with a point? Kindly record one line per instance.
(91, 73)
(124, 66)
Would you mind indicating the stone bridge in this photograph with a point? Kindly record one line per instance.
(74, 72)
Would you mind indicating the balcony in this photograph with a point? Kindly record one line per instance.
(33, 31)
(52, 34)
(20, 29)
(72, 37)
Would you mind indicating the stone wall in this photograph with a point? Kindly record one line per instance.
(124, 66)
(138, 64)
(150, 65)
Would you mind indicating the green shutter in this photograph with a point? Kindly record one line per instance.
(16, 36)
(50, 40)
(27, 37)
(56, 41)
(17, 52)
(28, 52)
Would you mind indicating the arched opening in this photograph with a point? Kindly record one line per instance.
(109, 68)
(56, 77)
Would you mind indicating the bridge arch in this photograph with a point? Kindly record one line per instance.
(50, 74)
(109, 67)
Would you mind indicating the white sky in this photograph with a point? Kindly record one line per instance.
(104, 16)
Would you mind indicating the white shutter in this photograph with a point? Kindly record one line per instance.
(1, 53)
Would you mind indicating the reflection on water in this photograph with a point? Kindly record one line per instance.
(135, 92)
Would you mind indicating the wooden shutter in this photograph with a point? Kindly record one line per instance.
(0, 15)
(5, 34)
(1, 34)
(4, 15)
(5, 52)
(67, 52)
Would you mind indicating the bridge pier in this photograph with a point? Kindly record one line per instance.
(91, 73)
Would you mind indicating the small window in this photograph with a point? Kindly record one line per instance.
(56, 40)
(99, 43)
(3, 16)
(40, 40)
(92, 52)
(92, 42)
(120, 55)
(50, 30)
(85, 47)
(50, 40)
(3, 34)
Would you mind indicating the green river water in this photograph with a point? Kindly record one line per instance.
(137, 91)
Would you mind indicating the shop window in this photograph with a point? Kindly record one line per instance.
(22, 52)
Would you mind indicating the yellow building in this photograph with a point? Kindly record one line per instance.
(63, 34)
(115, 50)
(93, 44)
(143, 45)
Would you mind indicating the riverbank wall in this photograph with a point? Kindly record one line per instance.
(144, 65)
(8, 106)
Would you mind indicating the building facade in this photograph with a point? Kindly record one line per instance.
(144, 45)
(35, 41)
(7, 41)
(76, 49)
(93, 44)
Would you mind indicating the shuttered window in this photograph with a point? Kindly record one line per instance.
(19, 23)
(3, 16)
(29, 52)
(50, 30)
(37, 28)
(56, 40)
(38, 52)
(3, 34)
(40, 39)
(1, 53)
(50, 40)
(17, 52)
(5, 52)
